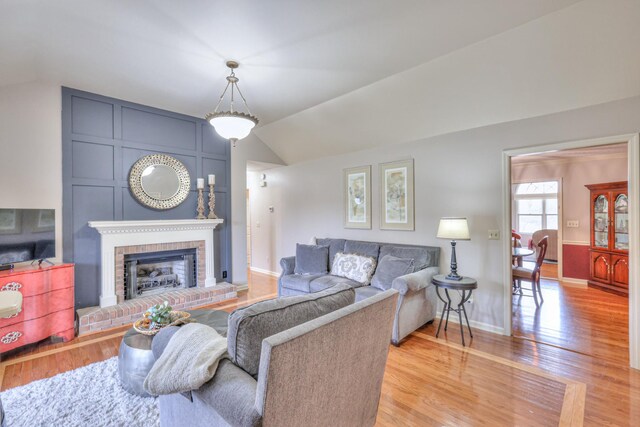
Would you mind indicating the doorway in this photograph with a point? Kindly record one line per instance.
(571, 306)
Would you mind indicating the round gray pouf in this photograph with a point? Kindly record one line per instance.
(135, 360)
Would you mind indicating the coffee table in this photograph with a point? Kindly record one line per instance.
(135, 358)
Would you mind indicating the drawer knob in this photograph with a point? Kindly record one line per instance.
(12, 286)
(11, 337)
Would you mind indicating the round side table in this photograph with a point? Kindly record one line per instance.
(466, 285)
(135, 357)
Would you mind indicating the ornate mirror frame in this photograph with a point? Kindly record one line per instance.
(135, 181)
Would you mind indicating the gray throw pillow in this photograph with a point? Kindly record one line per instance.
(335, 246)
(388, 269)
(248, 326)
(362, 248)
(312, 259)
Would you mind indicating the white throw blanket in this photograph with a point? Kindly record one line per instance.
(190, 359)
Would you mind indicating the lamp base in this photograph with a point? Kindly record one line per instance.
(453, 276)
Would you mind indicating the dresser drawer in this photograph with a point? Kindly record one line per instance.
(35, 282)
(41, 305)
(35, 330)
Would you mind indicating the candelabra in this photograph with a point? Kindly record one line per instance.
(201, 204)
(212, 203)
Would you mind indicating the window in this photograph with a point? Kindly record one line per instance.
(536, 206)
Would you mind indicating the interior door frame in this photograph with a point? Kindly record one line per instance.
(633, 159)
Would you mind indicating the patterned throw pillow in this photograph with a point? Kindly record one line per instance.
(355, 267)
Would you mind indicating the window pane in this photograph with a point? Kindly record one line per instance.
(532, 206)
(552, 222)
(529, 223)
(530, 188)
(547, 187)
(550, 187)
(552, 206)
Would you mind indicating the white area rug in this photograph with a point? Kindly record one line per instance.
(88, 396)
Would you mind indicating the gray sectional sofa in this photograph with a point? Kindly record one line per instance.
(287, 359)
(417, 301)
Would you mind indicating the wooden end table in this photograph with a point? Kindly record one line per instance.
(466, 286)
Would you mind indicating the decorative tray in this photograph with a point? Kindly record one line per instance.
(142, 325)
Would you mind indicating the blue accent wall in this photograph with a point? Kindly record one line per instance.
(101, 139)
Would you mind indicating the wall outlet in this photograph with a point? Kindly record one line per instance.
(573, 223)
(494, 234)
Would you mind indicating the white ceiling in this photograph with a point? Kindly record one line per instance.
(294, 54)
(576, 154)
(579, 56)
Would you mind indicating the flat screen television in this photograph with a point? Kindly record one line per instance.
(27, 235)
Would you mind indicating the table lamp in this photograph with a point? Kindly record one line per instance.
(453, 229)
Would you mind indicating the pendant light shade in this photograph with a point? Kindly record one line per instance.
(232, 125)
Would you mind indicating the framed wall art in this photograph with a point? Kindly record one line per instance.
(357, 197)
(396, 196)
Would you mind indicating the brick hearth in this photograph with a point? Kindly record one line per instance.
(97, 319)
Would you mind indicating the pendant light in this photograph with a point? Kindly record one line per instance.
(232, 125)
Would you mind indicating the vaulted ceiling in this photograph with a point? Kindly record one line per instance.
(328, 76)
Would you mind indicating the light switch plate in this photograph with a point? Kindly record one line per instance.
(573, 223)
(494, 234)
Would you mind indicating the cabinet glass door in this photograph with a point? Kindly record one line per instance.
(621, 218)
(601, 222)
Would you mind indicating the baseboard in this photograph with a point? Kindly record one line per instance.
(453, 318)
(263, 271)
(578, 282)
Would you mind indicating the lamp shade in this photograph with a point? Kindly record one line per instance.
(453, 229)
(232, 126)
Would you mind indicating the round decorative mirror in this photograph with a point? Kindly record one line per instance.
(159, 181)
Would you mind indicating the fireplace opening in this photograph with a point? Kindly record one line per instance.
(153, 273)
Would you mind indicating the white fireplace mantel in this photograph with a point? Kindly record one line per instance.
(115, 234)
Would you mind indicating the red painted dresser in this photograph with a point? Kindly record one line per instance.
(47, 305)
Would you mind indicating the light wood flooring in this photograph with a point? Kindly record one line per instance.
(496, 381)
(577, 318)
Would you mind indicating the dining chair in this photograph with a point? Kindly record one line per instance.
(520, 274)
(517, 243)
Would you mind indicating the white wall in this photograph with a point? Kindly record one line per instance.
(249, 149)
(455, 175)
(31, 149)
(575, 196)
(263, 222)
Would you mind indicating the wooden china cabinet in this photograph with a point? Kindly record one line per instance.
(609, 250)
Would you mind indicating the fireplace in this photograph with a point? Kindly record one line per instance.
(153, 273)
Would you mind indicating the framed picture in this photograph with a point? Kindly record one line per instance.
(357, 197)
(10, 221)
(396, 196)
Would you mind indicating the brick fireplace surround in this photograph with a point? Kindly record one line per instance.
(120, 238)
(156, 247)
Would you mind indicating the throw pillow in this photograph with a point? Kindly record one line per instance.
(389, 268)
(355, 267)
(311, 259)
(335, 246)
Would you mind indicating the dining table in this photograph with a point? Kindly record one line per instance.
(519, 253)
